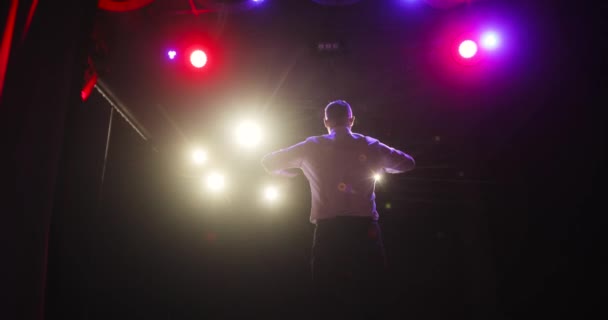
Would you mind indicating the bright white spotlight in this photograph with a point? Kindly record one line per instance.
(377, 177)
(199, 156)
(248, 134)
(271, 193)
(467, 49)
(490, 40)
(216, 182)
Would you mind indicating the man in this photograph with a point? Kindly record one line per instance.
(341, 167)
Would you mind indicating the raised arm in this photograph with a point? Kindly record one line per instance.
(395, 161)
(284, 161)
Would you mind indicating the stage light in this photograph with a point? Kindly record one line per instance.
(199, 156)
(467, 49)
(198, 58)
(490, 40)
(328, 46)
(85, 93)
(336, 2)
(171, 54)
(248, 134)
(271, 193)
(377, 177)
(216, 182)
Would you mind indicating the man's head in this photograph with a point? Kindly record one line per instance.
(338, 114)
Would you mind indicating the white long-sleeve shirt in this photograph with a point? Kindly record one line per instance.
(340, 168)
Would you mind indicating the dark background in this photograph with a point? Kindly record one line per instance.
(500, 220)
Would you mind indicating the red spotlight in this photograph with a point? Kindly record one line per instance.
(88, 87)
(90, 79)
(467, 49)
(122, 6)
(198, 58)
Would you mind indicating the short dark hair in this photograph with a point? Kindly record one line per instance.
(338, 111)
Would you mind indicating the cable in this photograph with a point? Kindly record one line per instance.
(105, 158)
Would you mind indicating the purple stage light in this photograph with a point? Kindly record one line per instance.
(490, 40)
(171, 54)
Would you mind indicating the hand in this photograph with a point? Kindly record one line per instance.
(290, 173)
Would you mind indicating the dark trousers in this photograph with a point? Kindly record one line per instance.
(348, 267)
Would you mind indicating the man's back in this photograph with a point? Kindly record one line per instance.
(340, 168)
